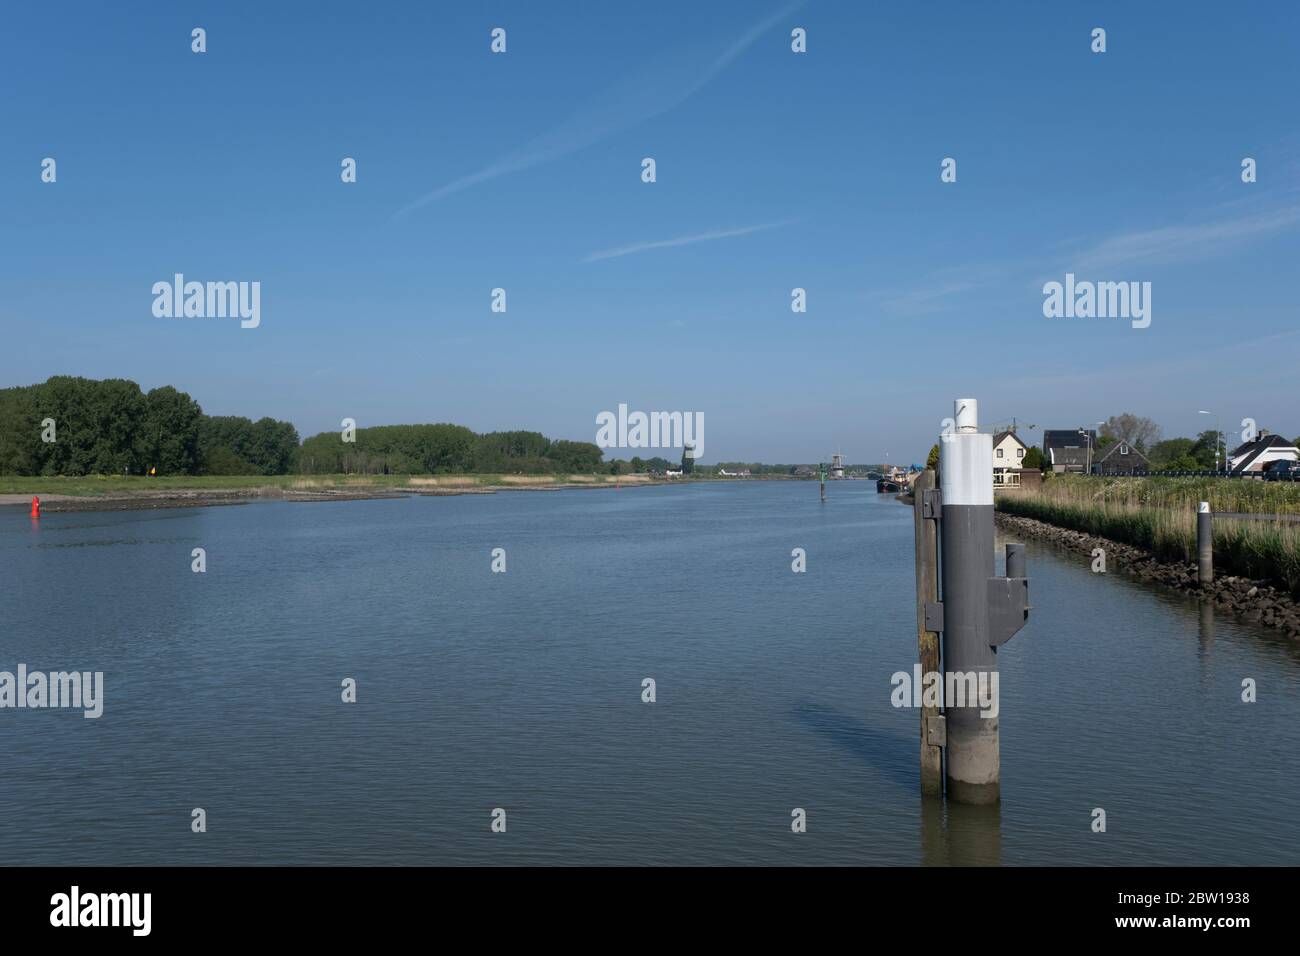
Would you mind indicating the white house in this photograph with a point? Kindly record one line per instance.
(1008, 458)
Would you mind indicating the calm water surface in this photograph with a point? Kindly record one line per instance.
(523, 691)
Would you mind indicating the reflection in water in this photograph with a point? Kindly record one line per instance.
(1205, 639)
(953, 834)
(974, 835)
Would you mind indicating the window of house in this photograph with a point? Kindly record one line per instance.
(1020, 453)
(1123, 449)
(999, 452)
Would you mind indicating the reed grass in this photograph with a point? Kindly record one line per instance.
(1159, 515)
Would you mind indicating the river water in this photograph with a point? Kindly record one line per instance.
(523, 691)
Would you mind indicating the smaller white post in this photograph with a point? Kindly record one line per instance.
(1204, 545)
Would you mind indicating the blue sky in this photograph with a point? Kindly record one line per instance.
(522, 170)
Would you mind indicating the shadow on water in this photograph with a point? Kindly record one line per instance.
(951, 834)
(894, 756)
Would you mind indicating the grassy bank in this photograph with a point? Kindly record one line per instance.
(131, 485)
(1159, 515)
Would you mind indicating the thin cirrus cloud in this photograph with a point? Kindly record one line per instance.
(667, 82)
(679, 241)
(1167, 245)
(1187, 242)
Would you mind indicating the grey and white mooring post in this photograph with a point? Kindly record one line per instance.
(978, 610)
(1204, 545)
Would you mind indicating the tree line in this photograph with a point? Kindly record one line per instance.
(444, 449)
(79, 426)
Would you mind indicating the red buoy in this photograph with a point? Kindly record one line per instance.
(36, 507)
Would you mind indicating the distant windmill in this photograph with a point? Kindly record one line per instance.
(837, 465)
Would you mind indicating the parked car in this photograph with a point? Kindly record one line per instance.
(1283, 471)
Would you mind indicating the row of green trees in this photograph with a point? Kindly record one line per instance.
(1186, 454)
(444, 449)
(232, 445)
(80, 426)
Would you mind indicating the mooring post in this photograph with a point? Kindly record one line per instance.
(979, 611)
(821, 468)
(1204, 545)
(927, 592)
(1016, 561)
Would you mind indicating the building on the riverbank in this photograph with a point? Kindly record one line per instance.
(1025, 479)
(1008, 455)
(1119, 457)
(1074, 459)
(1069, 449)
(1253, 457)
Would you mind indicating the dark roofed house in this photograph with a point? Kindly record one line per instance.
(1253, 457)
(1119, 457)
(1067, 438)
(1072, 458)
(1069, 449)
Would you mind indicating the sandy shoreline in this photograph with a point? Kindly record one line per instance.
(205, 498)
(60, 503)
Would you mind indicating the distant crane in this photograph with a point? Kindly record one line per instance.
(1015, 423)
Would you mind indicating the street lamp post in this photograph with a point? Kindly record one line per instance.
(1087, 437)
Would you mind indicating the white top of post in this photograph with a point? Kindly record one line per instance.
(966, 414)
(966, 459)
(1204, 508)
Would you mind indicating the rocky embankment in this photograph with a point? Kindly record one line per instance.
(51, 504)
(1254, 601)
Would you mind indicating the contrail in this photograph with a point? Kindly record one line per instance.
(680, 241)
(672, 79)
